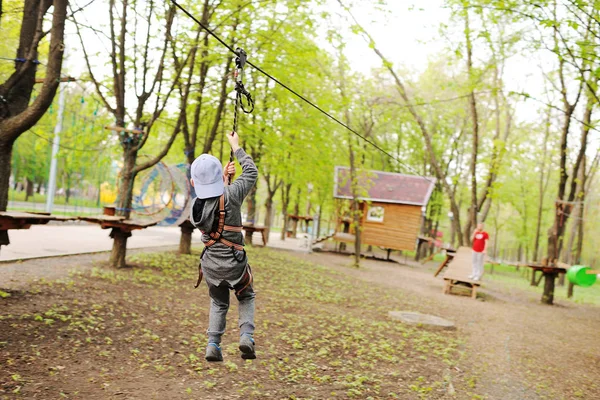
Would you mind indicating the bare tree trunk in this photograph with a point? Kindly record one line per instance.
(119, 249)
(124, 201)
(68, 190)
(28, 189)
(268, 215)
(251, 206)
(272, 188)
(285, 202)
(579, 215)
(356, 212)
(296, 212)
(475, 122)
(185, 240)
(542, 187)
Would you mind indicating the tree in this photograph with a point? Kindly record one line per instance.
(146, 75)
(17, 112)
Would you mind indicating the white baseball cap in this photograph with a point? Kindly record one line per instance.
(207, 174)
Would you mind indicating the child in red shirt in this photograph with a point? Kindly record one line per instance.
(479, 239)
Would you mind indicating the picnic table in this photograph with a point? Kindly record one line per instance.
(251, 228)
(23, 220)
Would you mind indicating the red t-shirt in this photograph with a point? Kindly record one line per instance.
(479, 241)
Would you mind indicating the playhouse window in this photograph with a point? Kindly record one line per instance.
(375, 214)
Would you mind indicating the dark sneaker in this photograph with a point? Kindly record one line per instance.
(247, 347)
(213, 352)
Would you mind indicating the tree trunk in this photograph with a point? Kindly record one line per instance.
(185, 241)
(119, 249)
(296, 212)
(548, 296)
(68, 190)
(251, 216)
(285, 202)
(268, 214)
(251, 204)
(356, 211)
(319, 221)
(475, 143)
(28, 189)
(124, 200)
(5, 158)
(542, 188)
(579, 215)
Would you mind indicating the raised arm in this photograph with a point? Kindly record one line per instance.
(242, 185)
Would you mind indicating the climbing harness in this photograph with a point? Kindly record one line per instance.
(240, 93)
(217, 237)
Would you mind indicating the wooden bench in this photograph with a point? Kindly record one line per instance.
(458, 272)
(250, 229)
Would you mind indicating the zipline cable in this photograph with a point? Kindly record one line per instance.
(372, 143)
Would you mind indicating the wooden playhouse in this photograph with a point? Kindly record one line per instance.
(392, 207)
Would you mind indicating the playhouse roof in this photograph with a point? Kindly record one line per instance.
(385, 187)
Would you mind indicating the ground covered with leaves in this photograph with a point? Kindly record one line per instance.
(140, 333)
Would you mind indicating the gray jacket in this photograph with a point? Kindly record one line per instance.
(221, 264)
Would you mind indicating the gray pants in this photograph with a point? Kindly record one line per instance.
(478, 259)
(219, 305)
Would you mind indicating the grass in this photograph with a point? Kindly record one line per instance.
(513, 279)
(58, 199)
(140, 331)
(55, 211)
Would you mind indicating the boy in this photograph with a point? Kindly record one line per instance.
(216, 211)
(479, 239)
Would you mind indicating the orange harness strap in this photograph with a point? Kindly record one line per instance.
(218, 237)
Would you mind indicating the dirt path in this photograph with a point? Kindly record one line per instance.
(514, 347)
(523, 349)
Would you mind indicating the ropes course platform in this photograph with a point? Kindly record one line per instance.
(458, 272)
(23, 220)
(116, 222)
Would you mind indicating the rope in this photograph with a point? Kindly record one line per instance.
(240, 93)
(301, 97)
